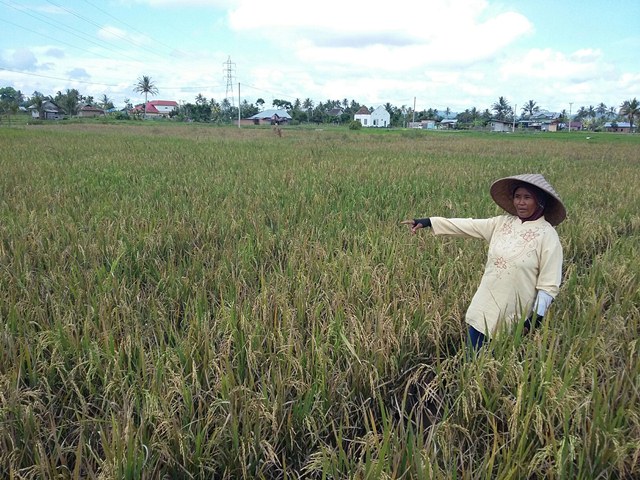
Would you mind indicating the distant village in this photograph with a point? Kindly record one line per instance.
(501, 117)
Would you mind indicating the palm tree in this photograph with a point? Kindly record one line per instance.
(502, 108)
(601, 109)
(564, 116)
(530, 108)
(37, 102)
(145, 85)
(106, 102)
(630, 109)
(308, 106)
(582, 113)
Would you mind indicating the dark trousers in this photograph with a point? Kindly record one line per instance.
(475, 338)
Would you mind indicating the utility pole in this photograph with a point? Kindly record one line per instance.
(513, 127)
(229, 68)
(238, 104)
(413, 121)
(570, 104)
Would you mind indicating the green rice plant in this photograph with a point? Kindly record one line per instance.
(186, 301)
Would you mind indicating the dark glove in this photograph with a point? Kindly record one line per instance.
(534, 319)
(426, 222)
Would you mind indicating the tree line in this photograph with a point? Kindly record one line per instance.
(309, 111)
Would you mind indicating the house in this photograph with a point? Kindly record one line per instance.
(271, 116)
(620, 127)
(541, 120)
(449, 124)
(501, 126)
(423, 124)
(156, 108)
(50, 111)
(90, 111)
(378, 118)
(335, 113)
(363, 116)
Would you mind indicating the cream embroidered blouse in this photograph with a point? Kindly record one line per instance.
(522, 259)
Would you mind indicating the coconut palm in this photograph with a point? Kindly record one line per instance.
(502, 108)
(530, 108)
(106, 102)
(308, 106)
(630, 109)
(37, 103)
(601, 109)
(582, 113)
(145, 85)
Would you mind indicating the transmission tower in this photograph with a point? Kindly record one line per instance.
(229, 70)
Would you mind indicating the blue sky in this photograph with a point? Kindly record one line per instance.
(453, 54)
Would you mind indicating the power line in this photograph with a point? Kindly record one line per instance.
(88, 20)
(61, 26)
(58, 78)
(55, 39)
(200, 87)
(129, 26)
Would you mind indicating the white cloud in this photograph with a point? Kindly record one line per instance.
(55, 52)
(542, 64)
(78, 74)
(404, 36)
(24, 59)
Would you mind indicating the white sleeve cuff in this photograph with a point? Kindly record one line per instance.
(543, 301)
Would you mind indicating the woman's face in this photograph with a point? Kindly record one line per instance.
(525, 202)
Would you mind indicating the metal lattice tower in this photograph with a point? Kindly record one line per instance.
(229, 70)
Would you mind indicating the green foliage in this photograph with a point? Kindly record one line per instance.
(355, 125)
(183, 301)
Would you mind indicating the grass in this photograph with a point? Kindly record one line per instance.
(183, 301)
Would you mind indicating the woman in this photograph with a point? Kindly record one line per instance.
(524, 265)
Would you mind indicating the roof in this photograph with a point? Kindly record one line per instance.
(380, 108)
(163, 103)
(543, 115)
(363, 111)
(617, 124)
(91, 108)
(151, 106)
(47, 106)
(267, 114)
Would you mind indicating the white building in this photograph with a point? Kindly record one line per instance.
(378, 118)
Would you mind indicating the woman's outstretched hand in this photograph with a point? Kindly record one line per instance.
(412, 225)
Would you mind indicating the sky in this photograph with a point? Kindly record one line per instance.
(441, 54)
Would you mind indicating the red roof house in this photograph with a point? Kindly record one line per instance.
(157, 108)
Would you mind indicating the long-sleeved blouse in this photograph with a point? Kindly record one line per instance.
(523, 258)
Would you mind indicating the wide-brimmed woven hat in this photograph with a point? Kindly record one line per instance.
(502, 193)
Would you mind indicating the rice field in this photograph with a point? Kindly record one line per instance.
(182, 301)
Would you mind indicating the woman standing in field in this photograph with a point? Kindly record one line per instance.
(524, 265)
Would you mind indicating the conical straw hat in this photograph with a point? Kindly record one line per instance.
(502, 193)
